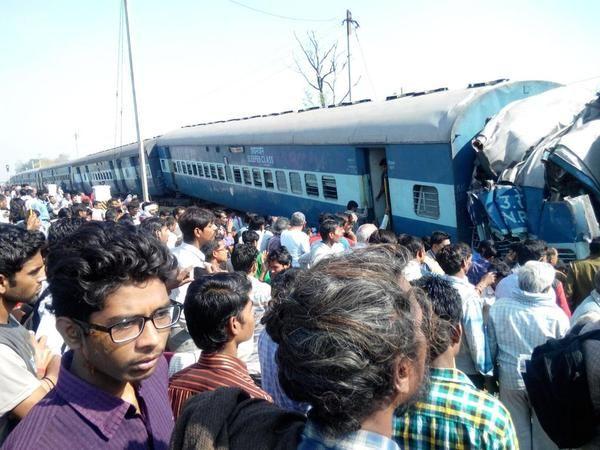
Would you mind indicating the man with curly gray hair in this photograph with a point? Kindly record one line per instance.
(351, 345)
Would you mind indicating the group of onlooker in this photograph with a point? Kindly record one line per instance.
(118, 317)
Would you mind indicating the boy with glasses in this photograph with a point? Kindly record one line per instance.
(114, 313)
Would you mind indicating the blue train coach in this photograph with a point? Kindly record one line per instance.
(318, 159)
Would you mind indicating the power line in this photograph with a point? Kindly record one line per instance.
(279, 16)
(364, 60)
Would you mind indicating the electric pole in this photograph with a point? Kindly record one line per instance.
(349, 22)
(143, 171)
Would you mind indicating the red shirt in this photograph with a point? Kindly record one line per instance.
(212, 371)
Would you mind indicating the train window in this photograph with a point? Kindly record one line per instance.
(295, 183)
(195, 169)
(426, 201)
(247, 177)
(228, 174)
(329, 187)
(162, 165)
(257, 177)
(189, 166)
(268, 175)
(213, 171)
(218, 149)
(281, 180)
(237, 175)
(206, 148)
(312, 186)
(221, 173)
(206, 171)
(176, 166)
(184, 167)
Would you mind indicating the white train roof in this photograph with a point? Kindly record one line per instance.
(408, 119)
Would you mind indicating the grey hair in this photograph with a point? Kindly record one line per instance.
(341, 330)
(281, 224)
(298, 219)
(364, 232)
(536, 277)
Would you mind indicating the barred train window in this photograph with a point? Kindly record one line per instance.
(257, 177)
(329, 187)
(237, 175)
(213, 171)
(221, 173)
(184, 167)
(247, 177)
(195, 169)
(281, 180)
(189, 168)
(200, 171)
(312, 187)
(295, 183)
(426, 201)
(206, 171)
(268, 175)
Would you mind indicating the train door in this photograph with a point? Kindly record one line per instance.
(169, 168)
(376, 184)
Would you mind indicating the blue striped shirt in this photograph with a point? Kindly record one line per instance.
(517, 325)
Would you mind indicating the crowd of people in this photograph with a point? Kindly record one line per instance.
(128, 325)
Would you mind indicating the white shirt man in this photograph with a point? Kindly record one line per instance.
(294, 239)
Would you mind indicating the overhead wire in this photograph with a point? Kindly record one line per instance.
(364, 61)
(279, 16)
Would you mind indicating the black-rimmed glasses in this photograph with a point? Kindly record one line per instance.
(132, 327)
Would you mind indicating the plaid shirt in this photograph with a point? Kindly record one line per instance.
(314, 439)
(455, 415)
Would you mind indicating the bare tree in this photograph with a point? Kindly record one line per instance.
(319, 67)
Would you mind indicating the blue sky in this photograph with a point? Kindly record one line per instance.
(199, 61)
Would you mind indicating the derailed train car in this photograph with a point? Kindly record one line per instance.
(539, 176)
(409, 157)
(319, 159)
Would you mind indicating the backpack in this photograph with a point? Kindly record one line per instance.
(557, 386)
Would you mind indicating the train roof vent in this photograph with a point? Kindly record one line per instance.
(234, 120)
(287, 112)
(332, 105)
(499, 80)
(220, 121)
(310, 108)
(391, 97)
(345, 103)
(442, 89)
(476, 85)
(364, 100)
(274, 114)
(254, 117)
(416, 94)
(407, 94)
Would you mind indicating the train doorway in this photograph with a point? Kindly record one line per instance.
(377, 186)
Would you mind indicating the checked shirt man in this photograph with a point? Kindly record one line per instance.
(454, 414)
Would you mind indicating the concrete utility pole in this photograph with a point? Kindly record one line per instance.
(143, 173)
(349, 22)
